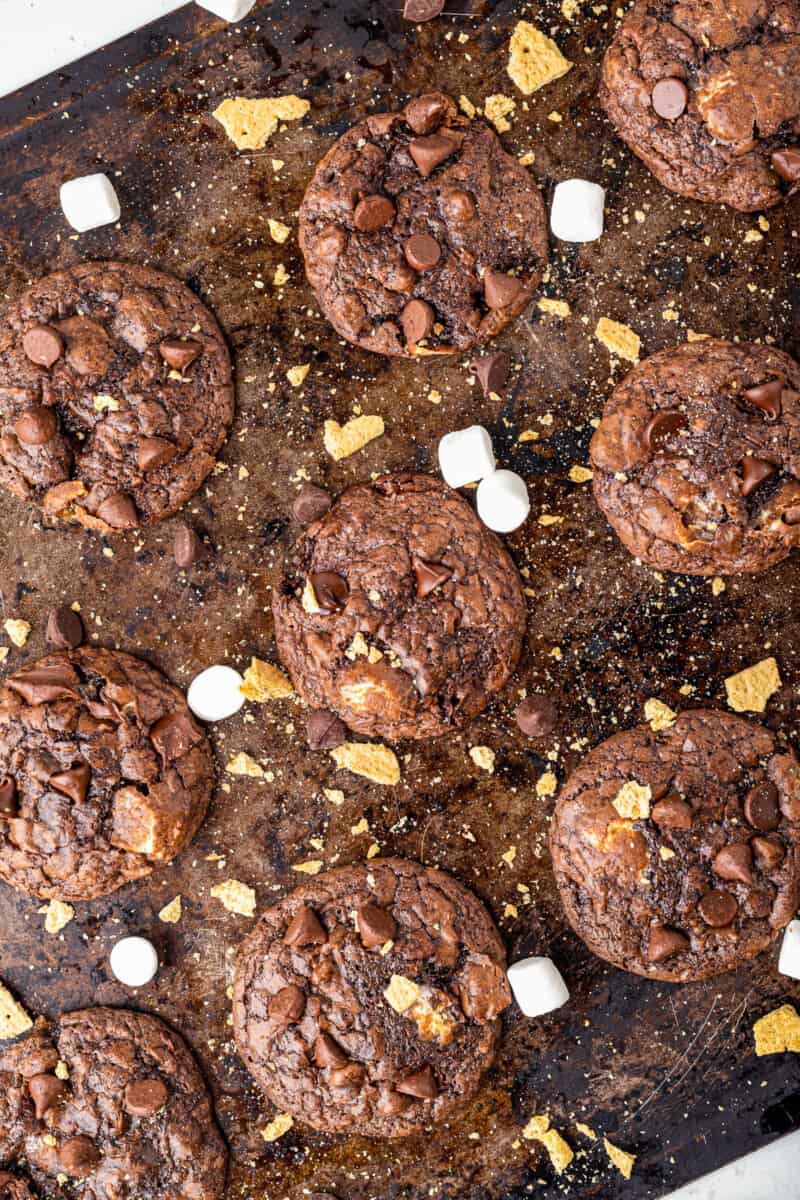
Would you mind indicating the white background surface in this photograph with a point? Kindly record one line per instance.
(39, 36)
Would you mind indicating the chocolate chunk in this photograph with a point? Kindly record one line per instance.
(64, 628)
(145, 1097)
(735, 863)
(459, 206)
(73, 783)
(717, 908)
(767, 397)
(428, 152)
(786, 163)
(672, 813)
(422, 251)
(663, 426)
(288, 1005)
(664, 943)
(331, 591)
(188, 547)
(180, 354)
(41, 683)
(328, 1053)
(417, 320)
(43, 345)
(310, 503)
(422, 10)
(349, 1077)
(425, 113)
(429, 576)
(305, 929)
(79, 1157)
(174, 735)
(769, 851)
(492, 371)
(36, 426)
(46, 1091)
(536, 715)
(670, 97)
(376, 925)
(324, 730)
(761, 806)
(754, 472)
(154, 452)
(8, 797)
(373, 212)
(421, 1085)
(499, 289)
(118, 511)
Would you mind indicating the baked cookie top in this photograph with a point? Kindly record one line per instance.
(420, 234)
(707, 93)
(115, 395)
(697, 458)
(676, 853)
(367, 1000)
(399, 610)
(108, 1102)
(103, 774)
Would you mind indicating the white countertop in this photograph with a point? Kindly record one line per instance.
(39, 36)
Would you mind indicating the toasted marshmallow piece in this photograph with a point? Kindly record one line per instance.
(466, 455)
(577, 211)
(89, 202)
(537, 986)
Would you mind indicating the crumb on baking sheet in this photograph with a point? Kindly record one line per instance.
(251, 123)
(343, 440)
(236, 897)
(13, 1018)
(750, 689)
(534, 59)
(264, 682)
(619, 339)
(778, 1031)
(370, 759)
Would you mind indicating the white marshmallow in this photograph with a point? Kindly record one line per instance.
(537, 986)
(89, 202)
(134, 961)
(577, 212)
(789, 960)
(229, 10)
(503, 502)
(466, 455)
(215, 693)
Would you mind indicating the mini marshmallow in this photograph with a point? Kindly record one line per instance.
(215, 693)
(89, 202)
(134, 961)
(577, 212)
(503, 502)
(229, 10)
(466, 455)
(789, 960)
(537, 986)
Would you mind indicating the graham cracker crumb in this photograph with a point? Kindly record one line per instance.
(558, 308)
(343, 440)
(632, 801)
(619, 339)
(538, 1130)
(401, 993)
(264, 682)
(57, 915)
(620, 1158)
(778, 1031)
(658, 715)
(483, 757)
(236, 897)
(243, 764)
(277, 230)
(750, 689)
(546, 784)
(369, 759)
(171, 913)
(251, 123)
(580, 474)
(277, 1127)
(17, 631)
(13, 1018)
(311, 866)
(534, 59)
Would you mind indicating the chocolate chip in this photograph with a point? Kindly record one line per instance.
(428, 152)
(672, 813)
(64, 628)
(8, 797)
(188, 547)
(46, 1091)
(761, 806)
(288, 1005)
(492, 371)
(664, 943)
(769, 851)
(735, 863)
(664, 426)
(767, 397)
(145, 1097)
(422, 1085)
(328, 1053)
(41, 684)
(422, 10)
(349, 1077)
(786, 163)
(670, 97)
(422, 251)
(425, 113)
(36, 426)
(754, 472)
(118, 511)
(154, 452)
(180, 354)
(429, 576)
(174, 735)
(536, 715)
(324, 730)
(373, 212)
(499, 289)
(79, 1157)
(331, 591)
(417, 320)
(399, 277)
(43, 345)
(73, 783)
(459, 206)
(717, 908)
(310, 503)
(305, 929)
(375, 925)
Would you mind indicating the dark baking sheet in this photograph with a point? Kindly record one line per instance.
(666, 1072)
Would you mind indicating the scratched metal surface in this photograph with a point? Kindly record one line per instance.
(666, 1072)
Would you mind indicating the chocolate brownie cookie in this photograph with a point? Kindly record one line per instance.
(115, 395)
(697, 458)
(420, 234)
(707, 93)
(399, 610)
(103, 774)
(108, 1103)
(12, 1188)
(677, 853)
(368, 999)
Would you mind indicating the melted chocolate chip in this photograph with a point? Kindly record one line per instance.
(331, 591)
(154, 452)
(767, 397)
(188, 547)
(735, 863)
(670, 97)
(425, 113)
(492, 372)
(145, 1097)
(422, 10)
(328, 1053)
(46, 1091)
(79, 1157)
(421, 1085)
(422, 251)
(305, 929)
(429, 576)
(417, 320)
(375, 925)
(665, 943)
(664, 426)
(373, 212)
(36, 426)
(43, 345)
(310, 503)
(324, 730)
(755, 471)
(761, 806)
(42, 684)
(537, 715)
(174, 735)
(8, 797)
(428, 152)
(119, 511)
(718, 908)
(672, 813)
(786, 163)
(64, 628)
(73, 783)
(288, 1005)
(180, 354)
(499, 289)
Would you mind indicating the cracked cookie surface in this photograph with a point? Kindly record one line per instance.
(420, 234)
(399, 610)
(107, 1102)
(103, 774)
(707, 93)
(368, 999)
(697, 458)
(115, 395)
(677, 853)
